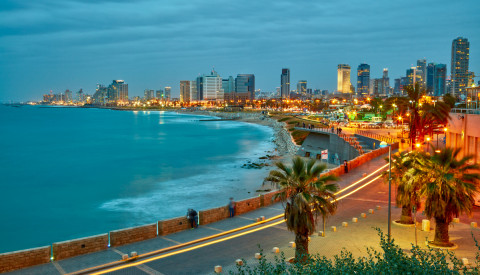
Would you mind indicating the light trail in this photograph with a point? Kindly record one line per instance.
(186, 249)
(357, 182)
(223, 233)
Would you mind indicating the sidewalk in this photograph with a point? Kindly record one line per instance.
(355, 238)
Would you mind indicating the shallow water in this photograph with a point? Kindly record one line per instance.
(73, 172)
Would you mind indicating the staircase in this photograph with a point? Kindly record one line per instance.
(355, 143)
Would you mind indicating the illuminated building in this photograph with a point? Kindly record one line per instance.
(459, 66)
(302, 87)
(285, 83)
(363, 79)
(343, 79)
(245, 86)
(168, 93)
(422, 70)
(149, 94)
(185, 91)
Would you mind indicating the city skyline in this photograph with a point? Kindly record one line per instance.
(40, 42)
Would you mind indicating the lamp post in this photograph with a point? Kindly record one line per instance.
(389, 191)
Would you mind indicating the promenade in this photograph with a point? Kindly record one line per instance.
(200, 258)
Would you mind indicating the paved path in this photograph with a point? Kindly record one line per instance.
(356, 237)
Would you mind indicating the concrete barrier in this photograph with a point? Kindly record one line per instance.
(371, 211)
(276, 250)
(321, 233)
(473, 224)
(24, 258)
(218, 269)
(378, 207)
(334, 228)
(345, 224)
(465, 261)
(363, 215)
(133, 234)
(292, 244)
(258, 256)
(238, 262)
(354, 219)
(72, 248)
(456, 220)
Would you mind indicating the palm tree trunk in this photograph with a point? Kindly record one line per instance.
(441, 232)
(406, 216)
(301, 251)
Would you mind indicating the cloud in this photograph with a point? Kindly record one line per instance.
(96, 39)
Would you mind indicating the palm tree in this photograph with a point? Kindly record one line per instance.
(408, 183)
(450, 189)
(307, 193)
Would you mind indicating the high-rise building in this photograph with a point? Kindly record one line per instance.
(185, 91)
(168, 93)
(211, 87)
(100, 95)
(413, 76)
(439, 79)
(285, 83)
(193, 90)
(149, 94)
(245, 86)
(429, 77)
(422, 66)
(117, 91)
(459, 66)
(159, 94)
(397, 90)
(343, 79)
(68, 96)
(363, 79)
(228, 85)
(471, 79)
(385, 83)
(302, 87)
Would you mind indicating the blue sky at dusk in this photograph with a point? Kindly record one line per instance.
(64, 44)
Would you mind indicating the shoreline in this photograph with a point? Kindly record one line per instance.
(284, 145)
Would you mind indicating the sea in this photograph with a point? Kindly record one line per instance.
(68, 173)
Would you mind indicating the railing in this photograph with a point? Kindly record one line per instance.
(465, 111)
(348, 138)
(389, 140)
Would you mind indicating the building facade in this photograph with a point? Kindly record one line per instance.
(363, 80)
(459, 66)
(245, 86)
(285, 83)
(422, 70)
(185, 91)
(343, 78)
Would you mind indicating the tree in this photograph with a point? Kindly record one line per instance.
(450, 189)
(307, 193)
(408, 183)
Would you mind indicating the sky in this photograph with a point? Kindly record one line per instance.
(71, 44)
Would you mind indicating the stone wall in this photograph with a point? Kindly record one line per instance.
(213, 215)
(24, 258)
(133, 234)
(71, 248)
(174, 225)
(247, 205)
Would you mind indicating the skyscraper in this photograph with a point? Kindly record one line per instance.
(459, 66)
(343, 79)
(385, 83)
(363, 79)
(422, 70)
(439, 79)
(185, 90)
(285, 83)
(117, 91)
(149, 94)
(302, 87)
(413, 76)
(429, 80)
(168, 93)
(228, 85)
(245, 86)
(193, 90)
(211, 87)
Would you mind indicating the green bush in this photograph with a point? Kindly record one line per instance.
(284, 119)
(390, 260)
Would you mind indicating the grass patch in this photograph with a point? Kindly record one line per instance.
(299, 136)
(284, 119)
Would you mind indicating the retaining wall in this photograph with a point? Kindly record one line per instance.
(133, 234)
(71, 248)
(174, 225)
(24, 258)
(62, 250)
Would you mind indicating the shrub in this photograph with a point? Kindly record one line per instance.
(390, 260)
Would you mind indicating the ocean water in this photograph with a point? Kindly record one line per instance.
(72, 172)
